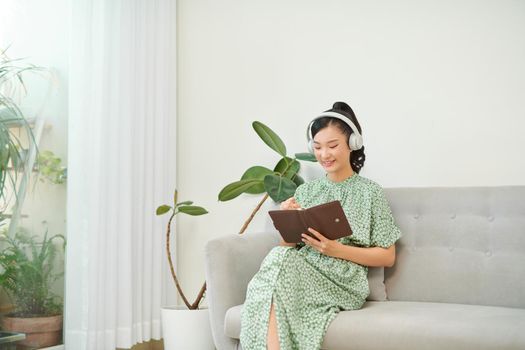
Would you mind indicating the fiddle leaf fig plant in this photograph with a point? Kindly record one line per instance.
(278, 183)
(188, 208)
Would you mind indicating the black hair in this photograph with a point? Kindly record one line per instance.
(358, 157)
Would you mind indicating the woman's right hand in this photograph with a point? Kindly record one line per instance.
(290, 204)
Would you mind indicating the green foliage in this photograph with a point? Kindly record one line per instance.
(279, 183)
(27, 265)
(279, 188)
(235, 189)
(256, 173)
(270, 138)
(28, 271)
(288, 167)
(11, 150)
(309, 157)
(50, 168)
(185, 207)
(163, 209)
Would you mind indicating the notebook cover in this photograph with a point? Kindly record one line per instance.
(329, 219)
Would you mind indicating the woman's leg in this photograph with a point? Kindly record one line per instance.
(272, 340)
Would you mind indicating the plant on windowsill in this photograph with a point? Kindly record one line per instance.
(28, 270)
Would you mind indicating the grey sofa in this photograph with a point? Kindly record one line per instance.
(458, 281)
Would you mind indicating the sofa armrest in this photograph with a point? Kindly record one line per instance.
(231, 262)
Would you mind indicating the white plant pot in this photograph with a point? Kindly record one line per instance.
(186, 329)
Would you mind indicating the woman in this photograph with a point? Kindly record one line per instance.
(299, 289)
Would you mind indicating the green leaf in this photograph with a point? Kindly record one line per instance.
(291, 166)
(184, 203)
(163, 209)
(193, 210)
(298, 180)
(279, 188)
(256, 173)
(309, 157)
(235, 189)
(270, 138)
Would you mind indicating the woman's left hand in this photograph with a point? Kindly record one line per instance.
(321, 244)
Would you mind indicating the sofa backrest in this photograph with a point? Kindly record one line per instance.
(459, 245)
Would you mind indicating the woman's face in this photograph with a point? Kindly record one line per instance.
(332, 151)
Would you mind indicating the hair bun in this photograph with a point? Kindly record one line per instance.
(342, 106)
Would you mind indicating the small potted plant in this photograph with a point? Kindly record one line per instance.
(28, 269)
(185, 327)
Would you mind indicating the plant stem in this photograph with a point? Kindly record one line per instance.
(197, 301)
(195, 304)
(245, 226)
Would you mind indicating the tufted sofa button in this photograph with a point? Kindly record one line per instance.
(416, 216)
(488, 253)
(453, 216)
(491, 218)
(451, 249)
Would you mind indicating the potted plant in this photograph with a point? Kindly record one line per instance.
(278, 184)
(28, 269)
(185, 327)
(25, 261)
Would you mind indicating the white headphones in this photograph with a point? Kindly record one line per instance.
(355, 141)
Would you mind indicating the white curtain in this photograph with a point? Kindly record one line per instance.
(121, 166)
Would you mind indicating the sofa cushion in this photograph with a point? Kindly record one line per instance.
(376, 283)
(417, 325)
(459, 245)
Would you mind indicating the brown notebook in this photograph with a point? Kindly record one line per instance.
(329, 219)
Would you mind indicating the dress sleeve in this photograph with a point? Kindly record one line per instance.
(383, 229)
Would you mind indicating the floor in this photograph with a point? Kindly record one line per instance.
(151, 345)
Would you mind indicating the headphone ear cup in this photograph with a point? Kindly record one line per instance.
(355, 142)
(311, 146)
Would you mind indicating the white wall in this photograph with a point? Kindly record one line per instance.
(438, 87)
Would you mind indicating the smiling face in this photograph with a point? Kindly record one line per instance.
(332, 152)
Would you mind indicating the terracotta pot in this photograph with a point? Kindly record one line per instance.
(40, 331)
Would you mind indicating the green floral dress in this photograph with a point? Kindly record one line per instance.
(309, 288)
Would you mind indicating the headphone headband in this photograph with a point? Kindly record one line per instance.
(355, 140)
